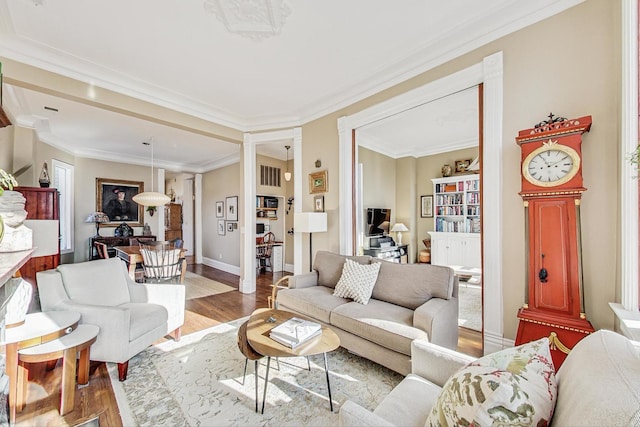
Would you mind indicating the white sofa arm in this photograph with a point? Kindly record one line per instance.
(352, 414)
(435, 363)
(304, 280)
(170, 296)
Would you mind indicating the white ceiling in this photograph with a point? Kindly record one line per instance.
(181, 55)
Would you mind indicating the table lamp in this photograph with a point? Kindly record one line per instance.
(98, 218)
(399, 228)
(310, 222)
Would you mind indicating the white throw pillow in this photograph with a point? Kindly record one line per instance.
(357, 281)
(516, 386)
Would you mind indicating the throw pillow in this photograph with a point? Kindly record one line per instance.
(516, 386)
(357, 281)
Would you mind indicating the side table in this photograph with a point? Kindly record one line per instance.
(38, 328)
(67, 348)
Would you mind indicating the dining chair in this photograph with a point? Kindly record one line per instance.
(102, 249)
(161, 262)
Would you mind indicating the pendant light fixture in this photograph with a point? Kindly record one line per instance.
(151, 198)
(287, 174)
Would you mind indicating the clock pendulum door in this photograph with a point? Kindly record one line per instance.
(552, 190)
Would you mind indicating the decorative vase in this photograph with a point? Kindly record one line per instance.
(16, 237)
(446, 170)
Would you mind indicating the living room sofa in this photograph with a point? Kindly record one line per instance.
(408, 302)
(597, 385)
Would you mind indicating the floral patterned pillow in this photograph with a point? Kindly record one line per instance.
(516, 386)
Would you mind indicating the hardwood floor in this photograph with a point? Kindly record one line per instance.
(97, 398)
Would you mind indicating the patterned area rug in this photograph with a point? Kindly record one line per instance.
(470, 308)
(198, 382)
(198, 286)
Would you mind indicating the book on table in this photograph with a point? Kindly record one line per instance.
(295, 331)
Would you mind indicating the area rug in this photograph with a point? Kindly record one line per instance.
(198, 286)
(470, 306)
(198, 382)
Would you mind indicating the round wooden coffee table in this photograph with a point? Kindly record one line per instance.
(258, 328)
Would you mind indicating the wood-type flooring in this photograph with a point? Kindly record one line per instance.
(97, 398)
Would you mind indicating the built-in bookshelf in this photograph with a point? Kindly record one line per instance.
(456, 201)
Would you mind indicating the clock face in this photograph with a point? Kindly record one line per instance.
(551, 165)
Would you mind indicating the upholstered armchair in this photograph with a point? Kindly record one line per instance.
(131, 315)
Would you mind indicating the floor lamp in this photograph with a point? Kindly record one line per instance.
(310, 222)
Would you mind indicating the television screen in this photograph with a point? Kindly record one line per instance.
(259, 228)
(378, 220)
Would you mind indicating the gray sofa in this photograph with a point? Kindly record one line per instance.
(409, 301)
(598, 385)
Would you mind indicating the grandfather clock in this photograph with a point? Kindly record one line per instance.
(551, 190)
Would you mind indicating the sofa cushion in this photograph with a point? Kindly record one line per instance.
(316, 301)
(399, 407)
(599, 382)
(357, 281)
(419, 282)
(99, 282)
(329, 266)
(387, 325)
(516, 386)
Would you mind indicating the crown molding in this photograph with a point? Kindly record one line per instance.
(395, 71)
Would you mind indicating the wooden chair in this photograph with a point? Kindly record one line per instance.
(263, 252)
(162, 263)
(102, 249)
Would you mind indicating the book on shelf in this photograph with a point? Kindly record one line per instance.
(295, 331)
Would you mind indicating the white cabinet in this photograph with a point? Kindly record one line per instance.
(462, 249)
(276, 257)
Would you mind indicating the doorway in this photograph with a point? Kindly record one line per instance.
(489, 73)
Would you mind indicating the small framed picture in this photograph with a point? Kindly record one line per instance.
(318, 203)
(462, 165)
(219, 209)
(230, 227)
(426, 206)
(318, 182)
(232, 208)
(221, 229)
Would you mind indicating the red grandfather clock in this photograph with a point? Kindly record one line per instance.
(551, 190)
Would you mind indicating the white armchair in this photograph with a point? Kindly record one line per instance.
(131, 315)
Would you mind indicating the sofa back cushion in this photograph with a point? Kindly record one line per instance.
(599, 382)
(329, 266)
(99, 282)
(411, 285)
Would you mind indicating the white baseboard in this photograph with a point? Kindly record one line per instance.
(494, 342)
(233, 269)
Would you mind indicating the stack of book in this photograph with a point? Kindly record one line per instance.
(295, 331)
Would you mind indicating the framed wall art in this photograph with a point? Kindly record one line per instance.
(221, 229)
(232, 208)
(219, 209)
(230, 227)
(462, 165)
(426, 206)
(318, 203)
(318, 182)
(114, 198)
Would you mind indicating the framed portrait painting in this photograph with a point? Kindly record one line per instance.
(114, 197)
(219, 209)
(318, 203)
(221, 229)
(426, 206)
(232, 208)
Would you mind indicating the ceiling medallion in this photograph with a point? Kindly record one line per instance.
(255, 19)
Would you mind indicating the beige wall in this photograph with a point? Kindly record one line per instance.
(568, 64)
(6, 148)
(217, 185)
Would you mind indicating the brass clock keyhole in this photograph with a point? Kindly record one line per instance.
(543, 273)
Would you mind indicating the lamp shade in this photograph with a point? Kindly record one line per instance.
(98, 217)
(151, 198)
(287, 176)
(399, 227)
(310, 222)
